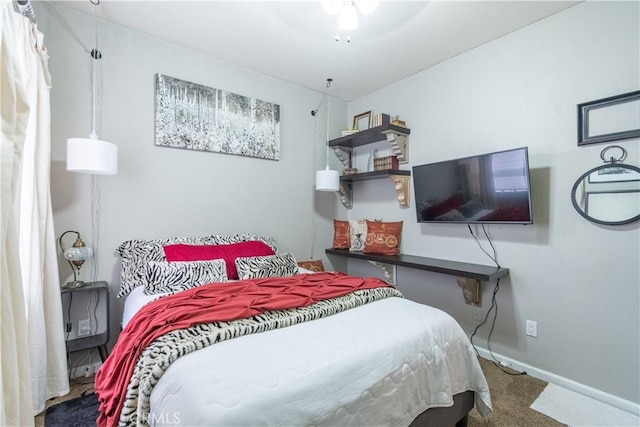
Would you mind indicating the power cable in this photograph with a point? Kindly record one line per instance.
(494, 306)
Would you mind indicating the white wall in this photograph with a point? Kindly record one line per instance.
(162, 192)
(578, 280)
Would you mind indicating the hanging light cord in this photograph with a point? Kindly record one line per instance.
(313, 197)
(314, 114)
(95, 179)
(327, 101)
(95, 224)
(96, 55)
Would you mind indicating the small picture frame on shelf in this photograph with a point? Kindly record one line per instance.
(362, 121)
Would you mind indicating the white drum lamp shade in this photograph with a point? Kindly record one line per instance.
(88, 155)
(327, 180)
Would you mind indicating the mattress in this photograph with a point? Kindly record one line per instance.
(379, 364)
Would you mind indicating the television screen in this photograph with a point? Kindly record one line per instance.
(488, 188)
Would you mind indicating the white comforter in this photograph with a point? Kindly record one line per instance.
(379, 364)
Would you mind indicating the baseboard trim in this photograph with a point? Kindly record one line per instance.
(599, 395)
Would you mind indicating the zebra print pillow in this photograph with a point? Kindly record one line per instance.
(260, 267)
(136, 254)
(162, 277)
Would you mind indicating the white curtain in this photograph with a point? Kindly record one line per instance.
(27, 140)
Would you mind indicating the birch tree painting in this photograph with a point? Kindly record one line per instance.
(196, 117)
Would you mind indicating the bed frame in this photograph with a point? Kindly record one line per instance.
(456, 415)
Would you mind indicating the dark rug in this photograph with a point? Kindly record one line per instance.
(79, 412)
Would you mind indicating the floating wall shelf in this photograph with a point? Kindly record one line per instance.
(400, 178)
(469, 275)
(398, 138)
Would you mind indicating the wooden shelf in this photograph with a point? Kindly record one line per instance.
(365, 176)
(368, 136)
(400, 179)
(398, 139)
(443, 266)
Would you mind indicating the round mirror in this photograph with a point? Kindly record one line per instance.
(608, 194)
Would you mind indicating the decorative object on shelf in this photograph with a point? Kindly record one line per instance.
(380, 119)
(362, 121)
(397, 122)
(75, 255)
(347, 12)
(327, 179)
(93, 155)
(609, 194)
(384, 163)
(609, 119)
(348, 132)
(197, 117)
(349, 171)
(372, 159)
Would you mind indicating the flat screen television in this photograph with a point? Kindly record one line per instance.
(492, 188)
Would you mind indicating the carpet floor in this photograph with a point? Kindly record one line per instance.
(511, 395)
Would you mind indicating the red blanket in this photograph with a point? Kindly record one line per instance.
(205, 304)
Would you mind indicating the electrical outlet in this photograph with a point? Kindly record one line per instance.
(85, 370)
(477, 314)
(84, 327)
(532, 328)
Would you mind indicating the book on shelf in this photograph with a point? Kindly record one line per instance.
(384, 163)
(380, 119)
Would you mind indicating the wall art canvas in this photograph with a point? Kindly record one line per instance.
(197, 117)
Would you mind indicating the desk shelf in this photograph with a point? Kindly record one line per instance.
(454, 268)
(469, 275)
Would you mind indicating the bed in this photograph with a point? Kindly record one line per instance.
(363, 355)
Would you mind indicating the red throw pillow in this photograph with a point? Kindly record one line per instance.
(341, 235)
(228, 253)
(383, 238)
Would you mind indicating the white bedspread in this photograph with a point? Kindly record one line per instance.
(379, 364)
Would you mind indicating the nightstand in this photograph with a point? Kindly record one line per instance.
(89, 307)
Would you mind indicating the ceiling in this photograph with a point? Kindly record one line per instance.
(294, 40)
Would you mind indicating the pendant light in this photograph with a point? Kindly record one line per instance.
(327, 179)
(93, 155)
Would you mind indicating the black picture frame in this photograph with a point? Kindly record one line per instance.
(585, 137)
